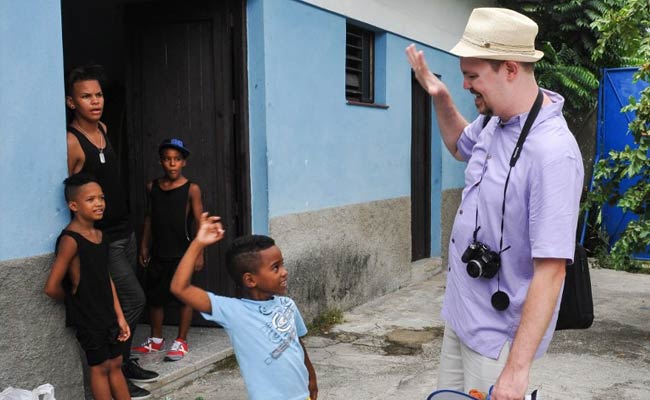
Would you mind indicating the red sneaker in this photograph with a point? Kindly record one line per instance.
(149, 346)
(178, 350)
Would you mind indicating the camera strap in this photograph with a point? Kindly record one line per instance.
(532, 115)
(500, 300)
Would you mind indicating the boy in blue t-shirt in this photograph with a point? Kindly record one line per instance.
(264, 326)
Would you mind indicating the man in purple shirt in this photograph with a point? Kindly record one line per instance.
(515, 227)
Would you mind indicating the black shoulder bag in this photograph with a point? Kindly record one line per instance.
(577, 306)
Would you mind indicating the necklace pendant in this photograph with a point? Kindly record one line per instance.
(102, 159)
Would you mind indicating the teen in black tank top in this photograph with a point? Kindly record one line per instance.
(169, 221)
(115, 223)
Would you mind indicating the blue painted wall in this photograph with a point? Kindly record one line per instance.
(257, 114)
(32, 128)
(309, 149)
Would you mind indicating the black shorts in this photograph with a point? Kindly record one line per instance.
(158, 278)
(100, 344)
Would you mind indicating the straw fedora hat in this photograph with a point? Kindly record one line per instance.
(498, 34)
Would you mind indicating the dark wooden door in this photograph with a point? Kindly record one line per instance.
(183, 79)
(420, 172)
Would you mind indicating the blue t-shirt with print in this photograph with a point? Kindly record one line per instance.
(264, 335)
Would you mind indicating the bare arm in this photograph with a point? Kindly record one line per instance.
(538, 309)
(76, 157)
(450, 121)
(146, 231)
(66, 252)
(313, 384)
(125, 331)
(210, 232)
(196, 204)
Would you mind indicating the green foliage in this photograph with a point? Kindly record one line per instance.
(559, 72)
(567, 40)
(626, 31)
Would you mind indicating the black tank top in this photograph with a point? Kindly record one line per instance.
(115, 224)
(169, 221)
(91, 307)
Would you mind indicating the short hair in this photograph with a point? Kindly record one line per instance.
(89, 72)
(74, 182)
(496, 64)
(243, 255)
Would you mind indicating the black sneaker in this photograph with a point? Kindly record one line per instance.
(137, 392)
(134, 372)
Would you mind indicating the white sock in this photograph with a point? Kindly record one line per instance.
(156, 340)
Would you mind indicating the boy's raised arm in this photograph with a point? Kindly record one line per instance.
(210, 231)
(66, 251)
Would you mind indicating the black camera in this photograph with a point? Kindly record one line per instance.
(481, 260)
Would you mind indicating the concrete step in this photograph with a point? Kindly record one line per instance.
(207, 346)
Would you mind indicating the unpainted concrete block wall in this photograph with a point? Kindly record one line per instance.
(450, 202)
(344, 256)
(36, 346)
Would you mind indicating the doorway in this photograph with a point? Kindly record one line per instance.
(420, 172)
(176, 69)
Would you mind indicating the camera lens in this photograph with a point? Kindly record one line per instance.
(469, 253)
(474, 268)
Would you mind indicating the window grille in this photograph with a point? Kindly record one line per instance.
(359, 64)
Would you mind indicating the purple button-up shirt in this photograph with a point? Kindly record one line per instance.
(541, 215)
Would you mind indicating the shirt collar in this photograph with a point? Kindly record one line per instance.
(546, 112)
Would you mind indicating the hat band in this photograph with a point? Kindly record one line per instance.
(498, 47)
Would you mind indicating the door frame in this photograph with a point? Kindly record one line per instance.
(231, 85)
(239, 174)
(421, 165)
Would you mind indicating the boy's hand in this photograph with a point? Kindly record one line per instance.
(313, 387)
(144, 257)
(125, 331)
(210, 231)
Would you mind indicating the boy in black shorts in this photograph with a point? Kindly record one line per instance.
(80, 276)
(173, 201)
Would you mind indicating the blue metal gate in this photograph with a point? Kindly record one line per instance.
(613, 134)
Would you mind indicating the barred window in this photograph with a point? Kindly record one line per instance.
(359, 64)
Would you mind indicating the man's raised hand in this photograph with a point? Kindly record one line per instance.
(429, 82)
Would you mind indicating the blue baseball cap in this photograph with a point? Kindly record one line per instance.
(174, 143)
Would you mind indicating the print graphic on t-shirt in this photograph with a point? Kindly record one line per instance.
(281, 329)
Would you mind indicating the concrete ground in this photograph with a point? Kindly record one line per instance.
(389, 349)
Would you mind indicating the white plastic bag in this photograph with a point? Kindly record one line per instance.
(43, 392)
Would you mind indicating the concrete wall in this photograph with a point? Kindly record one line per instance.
(329, 180)
(341, 257)
(436, 23)
(35, 346)
(32, 127)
